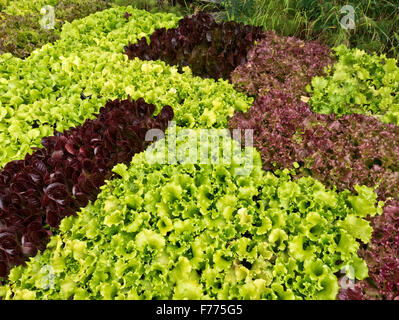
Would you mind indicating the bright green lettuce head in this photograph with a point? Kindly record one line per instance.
(201, 231)
(358, 83)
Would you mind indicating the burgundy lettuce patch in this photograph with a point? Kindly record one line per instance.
(211, 49)
(282, 63)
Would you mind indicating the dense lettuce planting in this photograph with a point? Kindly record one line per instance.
(57, 180)
(173, 226)
(286, 64)
(338, 151)
(358, 83)
(210, 49)
(45, 91)
(104, 29)
(200, 231)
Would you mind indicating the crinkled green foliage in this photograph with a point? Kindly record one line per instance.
(202, 231)
(358, 83)
(43, 92)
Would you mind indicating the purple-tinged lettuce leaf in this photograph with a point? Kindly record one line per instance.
(286, 64)
(211, 49)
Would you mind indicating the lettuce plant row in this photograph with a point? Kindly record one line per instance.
(340, 152)
(211, 49)
(55, 181)
(287, 64)
(45, 91)
(184, 230)
(105, 28)
(358, 83)
(356, 149)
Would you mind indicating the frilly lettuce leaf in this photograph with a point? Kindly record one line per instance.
(202, 231)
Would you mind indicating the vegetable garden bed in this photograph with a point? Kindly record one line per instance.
(91, 209)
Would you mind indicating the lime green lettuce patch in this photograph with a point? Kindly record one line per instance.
(202, 231)
(45, 91)
(358, 83)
